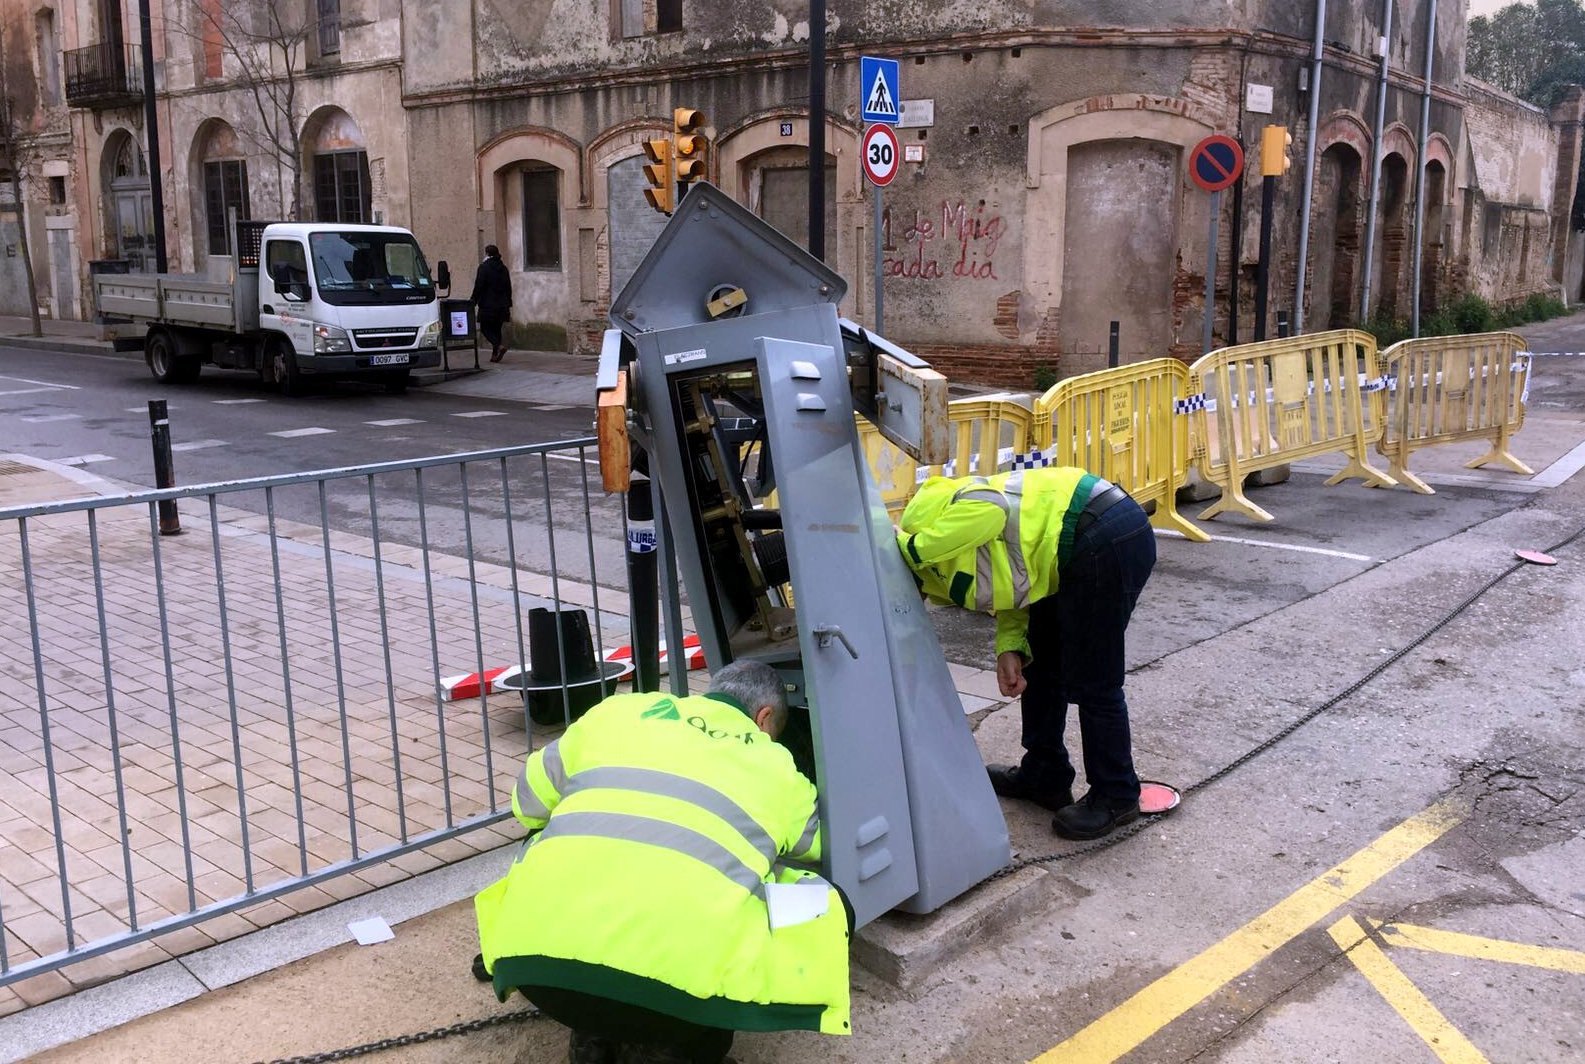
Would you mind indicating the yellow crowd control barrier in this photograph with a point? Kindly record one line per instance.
(1128, 425)
(1447, 389)
(1279, 401)
(986, 434)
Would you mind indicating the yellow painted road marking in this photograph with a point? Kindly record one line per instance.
(1442, 1037)
(1124, 1028)
(1484, 949)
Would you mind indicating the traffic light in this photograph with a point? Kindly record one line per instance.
(1274, 144)
(691, 144)
(662, 194)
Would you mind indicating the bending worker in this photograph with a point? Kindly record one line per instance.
(1059, 556)
(637, 914)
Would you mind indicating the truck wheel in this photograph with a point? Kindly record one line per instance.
(283, 369)
(396, 383)
(159, 350)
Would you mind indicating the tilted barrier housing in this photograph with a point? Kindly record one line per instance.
(1124, 424)
(1279, 401)
(1448, 389)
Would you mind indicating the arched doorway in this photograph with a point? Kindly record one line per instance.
(1124, 258)
(1336, 226)
(776, 184)
(1392, 241)
(1431, 237)
(129, 205)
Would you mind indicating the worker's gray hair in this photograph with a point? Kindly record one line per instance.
(754, 684)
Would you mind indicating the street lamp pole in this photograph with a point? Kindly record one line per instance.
(817, 128)
(152, 125)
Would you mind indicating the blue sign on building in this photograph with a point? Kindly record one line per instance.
(879, 83)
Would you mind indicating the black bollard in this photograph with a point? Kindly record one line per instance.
(1111, 348)
(164, 468)
(644, 607)
(1284, 326)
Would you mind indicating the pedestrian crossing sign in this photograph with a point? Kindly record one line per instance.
(878, 82)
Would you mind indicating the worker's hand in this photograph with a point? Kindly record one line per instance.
(1010, 673)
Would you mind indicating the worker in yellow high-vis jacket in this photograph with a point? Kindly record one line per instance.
(1059, 556)
(651, 907)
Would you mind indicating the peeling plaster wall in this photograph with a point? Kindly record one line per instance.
(1513, 150)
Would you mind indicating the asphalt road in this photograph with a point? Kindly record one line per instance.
(91, 411)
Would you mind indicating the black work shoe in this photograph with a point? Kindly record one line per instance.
(591, 1049)
(1091, 817)
(480, 972)
(1010, 781)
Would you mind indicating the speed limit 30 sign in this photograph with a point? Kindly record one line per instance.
(882, 158)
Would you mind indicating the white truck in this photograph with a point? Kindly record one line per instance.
(297, 300)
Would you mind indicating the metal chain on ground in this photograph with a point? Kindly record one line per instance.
(400, 1040)
(1348, 692)
(1100, 844)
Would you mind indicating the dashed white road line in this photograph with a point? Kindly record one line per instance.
(144, 409)
(41, 419)
(197, 445)
(86, 459)
(235, 402)
(392, 422)
(47, 384)
(30, 391)
(291, 433)
(1219, 538)
(574, 458)
(481, 413)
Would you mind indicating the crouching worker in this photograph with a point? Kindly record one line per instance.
(637, 913)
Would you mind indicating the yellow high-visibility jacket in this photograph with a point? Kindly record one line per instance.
(994, 544)
(659, 822)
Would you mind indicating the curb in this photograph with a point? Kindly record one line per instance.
(68, 345)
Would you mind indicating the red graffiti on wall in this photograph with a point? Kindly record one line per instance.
(963, 242)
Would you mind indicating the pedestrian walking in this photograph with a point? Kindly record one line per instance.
(492, 295)
(1059, 556)
(645, 911)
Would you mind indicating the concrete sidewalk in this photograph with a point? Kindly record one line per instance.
(294, 746)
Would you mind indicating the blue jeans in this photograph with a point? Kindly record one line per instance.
(1076, 636)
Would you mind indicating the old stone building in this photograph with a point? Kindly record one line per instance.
(1048, 197)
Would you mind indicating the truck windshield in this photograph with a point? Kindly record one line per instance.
(368, 268)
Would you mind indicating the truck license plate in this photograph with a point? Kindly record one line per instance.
(388, 360)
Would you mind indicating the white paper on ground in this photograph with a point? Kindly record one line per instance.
(796, 903)
(372, 930)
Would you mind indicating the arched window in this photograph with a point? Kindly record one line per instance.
(541, 217)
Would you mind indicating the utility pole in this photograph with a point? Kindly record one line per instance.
(152, 124)
(817, 128)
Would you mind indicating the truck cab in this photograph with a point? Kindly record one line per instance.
(344, 300)
(295, 301)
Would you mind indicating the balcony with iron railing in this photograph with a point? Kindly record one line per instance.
(103, 75)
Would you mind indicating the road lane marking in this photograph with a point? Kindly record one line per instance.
(292, 433)
(481, 413)
(1274, 546)
(28, 391)
(392, 422)
(197, 445)
(235, 402)
(1479, 948)
(1406, 999)
(86, 459)
(574, 458)
(47, 384)
(144, 409)
(1125, 1027)
(41, 419)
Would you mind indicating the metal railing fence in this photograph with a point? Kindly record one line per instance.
(193, 725)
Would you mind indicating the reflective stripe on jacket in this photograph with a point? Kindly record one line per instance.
(995, 544)
(660, 820)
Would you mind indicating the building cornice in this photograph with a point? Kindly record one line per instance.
(555, 84)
